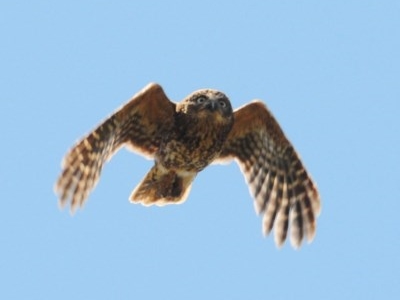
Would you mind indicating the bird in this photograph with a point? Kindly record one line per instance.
(185, 137)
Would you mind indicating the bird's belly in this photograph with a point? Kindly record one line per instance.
(191, 157)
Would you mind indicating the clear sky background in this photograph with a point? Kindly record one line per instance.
(328, 70)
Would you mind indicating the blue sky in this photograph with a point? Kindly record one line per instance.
(328, 70)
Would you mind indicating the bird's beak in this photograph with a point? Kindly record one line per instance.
(212, 105)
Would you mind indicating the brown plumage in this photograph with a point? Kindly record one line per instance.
(184, 138)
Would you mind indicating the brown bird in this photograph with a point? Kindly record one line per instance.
(184, 138)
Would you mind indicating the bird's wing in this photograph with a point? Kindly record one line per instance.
(282, 189)
(140, 124)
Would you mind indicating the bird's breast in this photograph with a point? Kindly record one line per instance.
(192, 148)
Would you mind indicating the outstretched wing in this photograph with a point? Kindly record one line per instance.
(283, 191)
(139, 124)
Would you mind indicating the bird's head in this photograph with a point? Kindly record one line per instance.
(207, 103)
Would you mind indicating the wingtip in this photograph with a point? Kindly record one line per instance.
(278, 241)
(311, 232)
(295, 242)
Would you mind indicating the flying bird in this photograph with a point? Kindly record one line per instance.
(184, 138)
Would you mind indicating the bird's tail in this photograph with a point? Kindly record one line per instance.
(161, 187)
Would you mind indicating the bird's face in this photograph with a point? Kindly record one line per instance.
(207, 103)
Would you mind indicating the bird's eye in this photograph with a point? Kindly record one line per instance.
(201, 99)
(222, 104)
